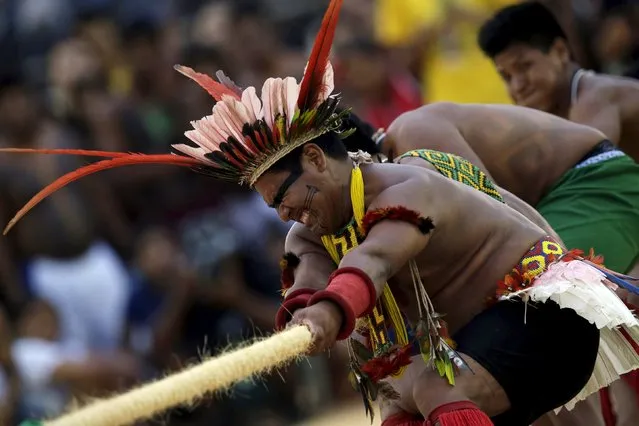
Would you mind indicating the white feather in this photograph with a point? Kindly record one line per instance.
(197, 153)
(252, 103)
(291, 92)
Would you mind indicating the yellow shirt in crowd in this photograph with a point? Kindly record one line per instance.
(455, 70)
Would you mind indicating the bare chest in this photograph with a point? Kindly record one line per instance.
(459, 278)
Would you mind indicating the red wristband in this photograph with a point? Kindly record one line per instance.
(353, 291)
(296, 300)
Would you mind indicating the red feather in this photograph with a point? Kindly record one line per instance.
(317, 62)
(215, 89)
(82, 152)
(386, 365)
(129, 160)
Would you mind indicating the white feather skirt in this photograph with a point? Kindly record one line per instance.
(583, 288)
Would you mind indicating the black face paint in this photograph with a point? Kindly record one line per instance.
(281, 192)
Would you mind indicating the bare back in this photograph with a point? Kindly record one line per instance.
(611, 105)
(510, 199)
(525, 151)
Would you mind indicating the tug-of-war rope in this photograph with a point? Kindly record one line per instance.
(191, 384)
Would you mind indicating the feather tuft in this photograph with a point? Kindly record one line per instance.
(318, 65)
(128, 160)
(226, 81)
(290, 92)
(79, 152)
(252, 103)
(215, 89)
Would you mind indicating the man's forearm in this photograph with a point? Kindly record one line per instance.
(301, 279)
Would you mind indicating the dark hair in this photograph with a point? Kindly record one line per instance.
(362, 136)
(528, 23)
(330, 143)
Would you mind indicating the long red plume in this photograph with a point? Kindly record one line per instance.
(318, 60)
(214, 88)
(128, 160)
(81, 152)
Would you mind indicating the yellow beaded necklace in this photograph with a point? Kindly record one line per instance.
(347, 239)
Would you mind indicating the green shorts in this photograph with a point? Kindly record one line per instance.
(597, 206)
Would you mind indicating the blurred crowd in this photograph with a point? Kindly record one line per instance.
(125, 276)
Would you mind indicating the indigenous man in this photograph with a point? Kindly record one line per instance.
(587, 190)
(531, 53)
(397, 247)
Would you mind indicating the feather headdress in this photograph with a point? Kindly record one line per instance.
(245, 134)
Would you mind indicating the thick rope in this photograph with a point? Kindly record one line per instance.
(193, 383)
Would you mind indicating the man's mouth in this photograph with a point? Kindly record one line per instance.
(305, 218)
(527, 99)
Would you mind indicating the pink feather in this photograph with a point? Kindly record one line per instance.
(327, 87)
(214, 88)
(227, 116)
(266, 102)
(226, 81)
(209, 138)
(291, 91)
(275, 96)
(252, 102)
(197, 153)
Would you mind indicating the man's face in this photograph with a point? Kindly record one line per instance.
(307, 197)
(534, 78)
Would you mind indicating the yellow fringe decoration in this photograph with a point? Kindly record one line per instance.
(187, 386)
(387, 299)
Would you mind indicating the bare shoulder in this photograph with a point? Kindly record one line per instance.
(475, 117)
(603, 89)
(300, 240)
(471, 119)
(432, 126)
(411, 186)
(435, 109)
(441, 112)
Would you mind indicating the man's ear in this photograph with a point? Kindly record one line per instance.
(561, 50)
(313, 156)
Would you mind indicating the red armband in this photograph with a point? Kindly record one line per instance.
(296, 300)
(353, 291)
(399, 213)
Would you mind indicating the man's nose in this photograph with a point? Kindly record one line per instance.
(518, 84)
(284, 213)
